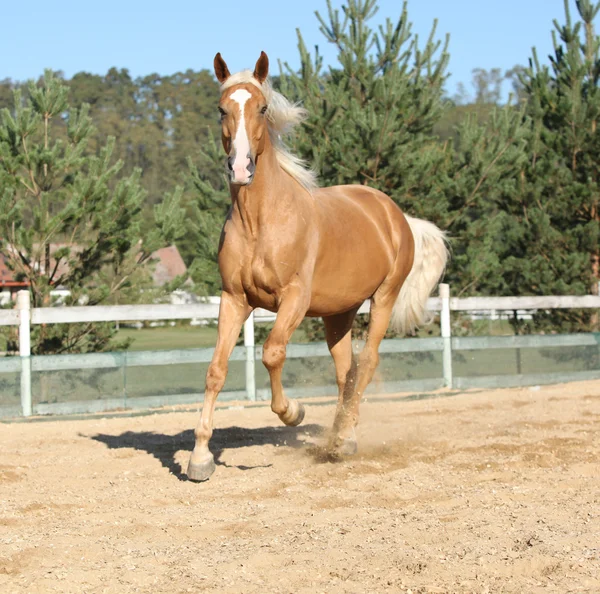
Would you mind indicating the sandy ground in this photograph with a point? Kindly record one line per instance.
(477, 492)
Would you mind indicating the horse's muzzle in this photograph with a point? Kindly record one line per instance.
(243, 173)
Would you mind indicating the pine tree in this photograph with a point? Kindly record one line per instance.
(371, 115)
(552, 227)
(481, 174)
(210, 207)
(67, 218)
(157, 122)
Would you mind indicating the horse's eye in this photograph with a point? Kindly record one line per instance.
(264, 109)
(222, 112)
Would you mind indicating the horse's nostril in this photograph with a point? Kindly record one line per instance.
(230, 163)
(251, 166)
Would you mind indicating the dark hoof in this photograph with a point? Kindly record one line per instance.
(294, 415)
(201, 471)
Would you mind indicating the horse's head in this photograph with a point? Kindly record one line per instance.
(243, 110)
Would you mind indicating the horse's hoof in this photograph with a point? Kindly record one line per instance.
(343, 446)
(294, 415)
(346, 447)
(201, 471)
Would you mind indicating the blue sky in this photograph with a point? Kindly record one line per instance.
(149, 36)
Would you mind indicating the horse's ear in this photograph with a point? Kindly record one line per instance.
(221, 71)
(261, 70)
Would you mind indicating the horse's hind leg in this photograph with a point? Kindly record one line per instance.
(338, 333)
(291, 313)
(343, 439)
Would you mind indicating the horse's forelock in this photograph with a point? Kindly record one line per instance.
(245, 77)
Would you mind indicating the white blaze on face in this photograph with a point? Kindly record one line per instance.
(241, 144)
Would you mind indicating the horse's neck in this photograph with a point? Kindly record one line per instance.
(254, 202)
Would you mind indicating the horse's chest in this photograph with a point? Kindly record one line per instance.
(265, 268)
(261, 281)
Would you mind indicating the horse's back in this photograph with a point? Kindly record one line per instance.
(362, 233)
(359, 202)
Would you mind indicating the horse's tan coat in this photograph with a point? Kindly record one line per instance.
(299, 253)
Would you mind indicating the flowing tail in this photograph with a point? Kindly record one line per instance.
(431, 256)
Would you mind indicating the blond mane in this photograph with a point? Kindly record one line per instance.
(283, 116)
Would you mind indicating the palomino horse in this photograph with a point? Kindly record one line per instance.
(298, 250)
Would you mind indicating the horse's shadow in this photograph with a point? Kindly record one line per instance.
(164, 447)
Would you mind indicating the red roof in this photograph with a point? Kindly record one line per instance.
(169, 264)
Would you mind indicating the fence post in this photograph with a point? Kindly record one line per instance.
(24, 307)
(446, 334)
(250, 368)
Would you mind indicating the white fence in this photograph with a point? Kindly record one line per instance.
(24, 317)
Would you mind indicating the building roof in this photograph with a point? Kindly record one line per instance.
(169, 265)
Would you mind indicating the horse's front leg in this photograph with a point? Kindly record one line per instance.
(291, 312)
(233, 312)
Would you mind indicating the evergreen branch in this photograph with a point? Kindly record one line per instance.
(482, 178)
(73, 340)
(36, 191)
(21, 262)
(31, 190)
(380, 143)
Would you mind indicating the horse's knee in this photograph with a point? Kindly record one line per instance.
(273, 355)
(215, 377)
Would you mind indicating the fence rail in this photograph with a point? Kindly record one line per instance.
(516, 303)
(24, 317)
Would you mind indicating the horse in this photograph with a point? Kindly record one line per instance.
(293, 248)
